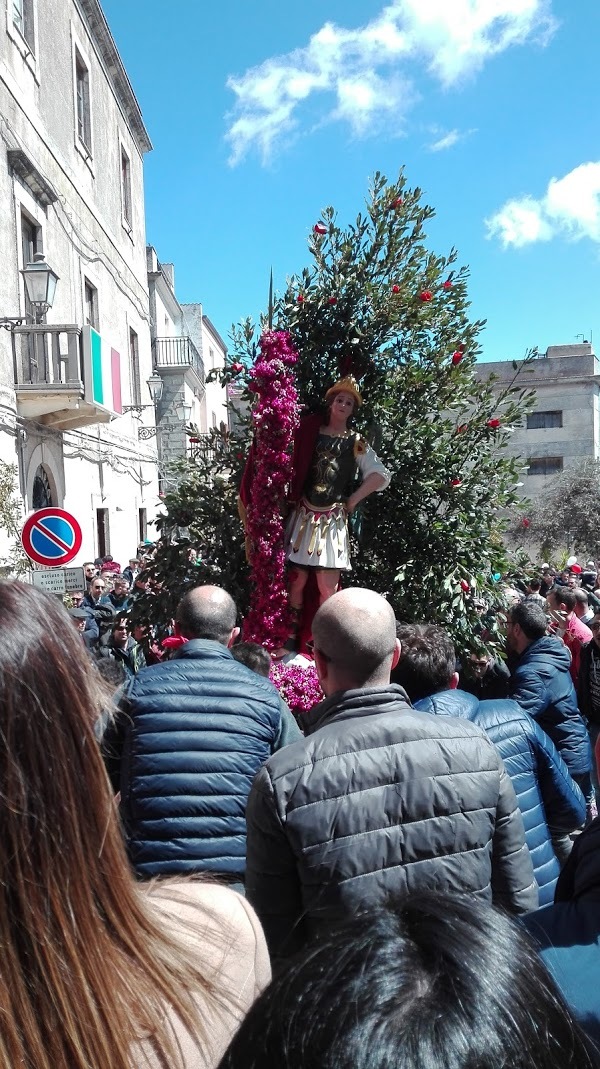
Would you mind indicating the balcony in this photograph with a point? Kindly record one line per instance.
(171, 353)
(50, 377)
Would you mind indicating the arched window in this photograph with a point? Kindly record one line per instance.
(42, 491)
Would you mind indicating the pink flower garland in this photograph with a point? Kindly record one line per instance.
(298, 685)
(275, 420)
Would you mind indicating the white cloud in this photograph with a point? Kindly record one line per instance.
(449, 140)
(569, 208)
(367, 70)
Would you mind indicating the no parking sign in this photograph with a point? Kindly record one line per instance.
(52, 537)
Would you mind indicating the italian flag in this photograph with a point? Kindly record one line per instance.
(102, 372)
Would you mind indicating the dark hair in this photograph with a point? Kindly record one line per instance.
(580, 596)
(206, 612)
(253, 656)
(531, 618)
(534, 584)
(565, 595)
(112, 672)
(427, 660)
(434, 980)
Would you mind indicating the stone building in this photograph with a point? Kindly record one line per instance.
(71, 188)
(564, 427)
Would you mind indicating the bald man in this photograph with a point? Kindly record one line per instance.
(197, 729)
(378, 799)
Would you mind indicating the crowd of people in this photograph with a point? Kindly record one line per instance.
(406, 875)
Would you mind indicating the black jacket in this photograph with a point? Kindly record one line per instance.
(198, 728)
(590, 654)
(541, 683)
(380, 799)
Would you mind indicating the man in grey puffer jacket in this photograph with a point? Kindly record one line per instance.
(378, 799)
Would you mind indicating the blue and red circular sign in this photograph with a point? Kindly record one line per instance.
(51, 537)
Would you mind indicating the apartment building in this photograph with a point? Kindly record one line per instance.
(76, 415)
(564, 427)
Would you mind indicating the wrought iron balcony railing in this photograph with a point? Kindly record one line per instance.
(178, 352)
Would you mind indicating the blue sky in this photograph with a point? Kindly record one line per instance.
(262, 113)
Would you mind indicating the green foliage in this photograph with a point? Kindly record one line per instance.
(375, 302)
(565, 518)
(16, 563)
(200, 514)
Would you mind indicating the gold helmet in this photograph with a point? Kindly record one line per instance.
(345, 385)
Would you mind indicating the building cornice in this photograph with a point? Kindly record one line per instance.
(105, 43)
(215, 333)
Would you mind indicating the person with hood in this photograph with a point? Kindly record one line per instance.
(541, 683)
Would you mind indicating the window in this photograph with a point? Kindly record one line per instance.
(22, 16)
(211, 357)
(142, 525)
(545, 465)
(30, 233)
(82, 102)
(539, 420)
(126, 189)
(91, 305)
(134, 369)
(102, 532)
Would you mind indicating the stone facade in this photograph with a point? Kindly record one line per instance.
(71, 186)
(564, 427)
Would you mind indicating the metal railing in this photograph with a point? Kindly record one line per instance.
(47, 355)
(178, 352)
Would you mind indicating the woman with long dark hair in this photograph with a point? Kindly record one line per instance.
(97, 971)
(437, 981)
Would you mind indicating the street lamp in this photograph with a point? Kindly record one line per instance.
(155, 385)
(183, 411)
(40, 284)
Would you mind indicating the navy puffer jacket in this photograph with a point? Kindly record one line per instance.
(546, 794)
(541, 683)
(200, 726)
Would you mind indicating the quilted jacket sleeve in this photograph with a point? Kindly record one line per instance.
(564, 804)
(272, 882)
(529, 690)
(513, 882)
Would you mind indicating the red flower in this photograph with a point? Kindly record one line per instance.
(193, 441)
(464, 585)
(457, 357)
(395, 288)
(320, 228)
(237, 367)
(526, 522)
(397, 203)
(447, 285)
(332, 300)
(493, 424)
(300, 299)
(426, 295)
(456, 482)
(462, 427)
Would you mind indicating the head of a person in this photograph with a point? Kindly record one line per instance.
(594, 626)
(534, 585)
(133, 563)
(108, 579)
(581, 602)
(355, 645)
(525, 623)
(342, 399)
(120, 585)
(76, 932)
(76, 598)
(562, 599)
(89, 570)
(207, 612)
(79, 618)
(427, 663)
(140, 630)
(119, 632)
(97, 587)
(433, 980)
(253, 656)
(142, 581)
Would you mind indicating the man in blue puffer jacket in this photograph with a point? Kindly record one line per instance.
(545, 791)
(197, 730)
